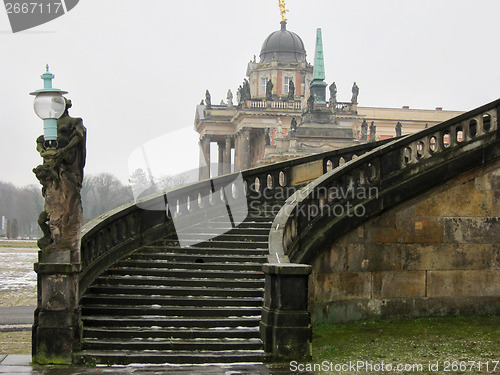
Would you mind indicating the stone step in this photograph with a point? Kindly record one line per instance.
(172, 344)
(206, 235)
(206, 258)
(189, 274)
(194, 241)
(170, 322)
(172, 281)
(174, 291)
(217, 230)
(121, 357)
(166, 301)
(171, 333)
(254, 225)
(217, 243)
(204, 250)
(200, 264)
(190, 311)
(244, 227)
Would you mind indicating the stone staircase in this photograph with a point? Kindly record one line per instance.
(167, 304)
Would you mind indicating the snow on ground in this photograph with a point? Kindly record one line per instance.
(17, 278)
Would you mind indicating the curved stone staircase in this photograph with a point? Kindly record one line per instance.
(145, 299)
(167, 304)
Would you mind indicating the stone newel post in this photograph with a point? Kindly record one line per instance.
(56, 330)
(285, 327)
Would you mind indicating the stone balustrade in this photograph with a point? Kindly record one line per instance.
(274, 104)
(357, 189)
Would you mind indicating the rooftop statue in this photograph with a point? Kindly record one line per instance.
(293, 128)
(373, 131)
(283, 10)
(291, 90)
(364, 131)
(355, 92)
(399, 128)
(310, 103)
(208, 99)
(267, 137)
(333, 94)
(269, 90)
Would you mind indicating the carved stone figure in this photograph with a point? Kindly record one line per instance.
(244, 91)
(364, 130)
(333, 95)
(355, 93)
(399, 128)
(267, 137)
(229, 99)
(291, 90)
(61, 176)
(238, 94)
(208, 99)
(269, 90)
(279, 129)
(373, 131)
(310, 103)
(293, 128)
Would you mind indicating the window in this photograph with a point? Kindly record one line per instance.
(263, 85)
(287, 85)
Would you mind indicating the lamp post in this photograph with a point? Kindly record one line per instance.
(56, 328)
(49, 105)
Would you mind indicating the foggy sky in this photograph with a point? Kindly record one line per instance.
(135, 69)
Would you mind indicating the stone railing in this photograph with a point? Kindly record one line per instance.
(353, 192)
(274, 104)
(345, 108)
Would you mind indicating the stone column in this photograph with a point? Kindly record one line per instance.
(285, 327)
(227, 155)
(204, 168)
(220, 161)
(245, 149)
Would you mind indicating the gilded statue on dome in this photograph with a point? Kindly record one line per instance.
(283, 9)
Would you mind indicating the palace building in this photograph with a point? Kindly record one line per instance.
(284, 109)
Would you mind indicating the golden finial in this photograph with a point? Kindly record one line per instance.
(283, 9)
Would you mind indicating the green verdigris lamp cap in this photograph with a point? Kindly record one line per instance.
(47, 84)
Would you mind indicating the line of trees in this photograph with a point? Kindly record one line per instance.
(20, 207)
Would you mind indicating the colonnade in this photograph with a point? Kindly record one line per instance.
(239, 142)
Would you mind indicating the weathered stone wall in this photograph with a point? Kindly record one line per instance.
(438, 254)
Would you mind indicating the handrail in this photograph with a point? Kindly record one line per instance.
(117, 233)
(340, 200)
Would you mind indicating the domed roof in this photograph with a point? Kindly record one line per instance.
(283, 45)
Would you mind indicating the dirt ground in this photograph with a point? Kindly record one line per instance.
(18, 342)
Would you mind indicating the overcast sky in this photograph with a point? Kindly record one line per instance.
(136, 69)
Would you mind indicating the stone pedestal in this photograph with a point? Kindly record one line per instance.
(56, 329)
(281, 145)
(285, 327)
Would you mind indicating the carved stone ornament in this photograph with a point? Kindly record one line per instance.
(61, 176)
